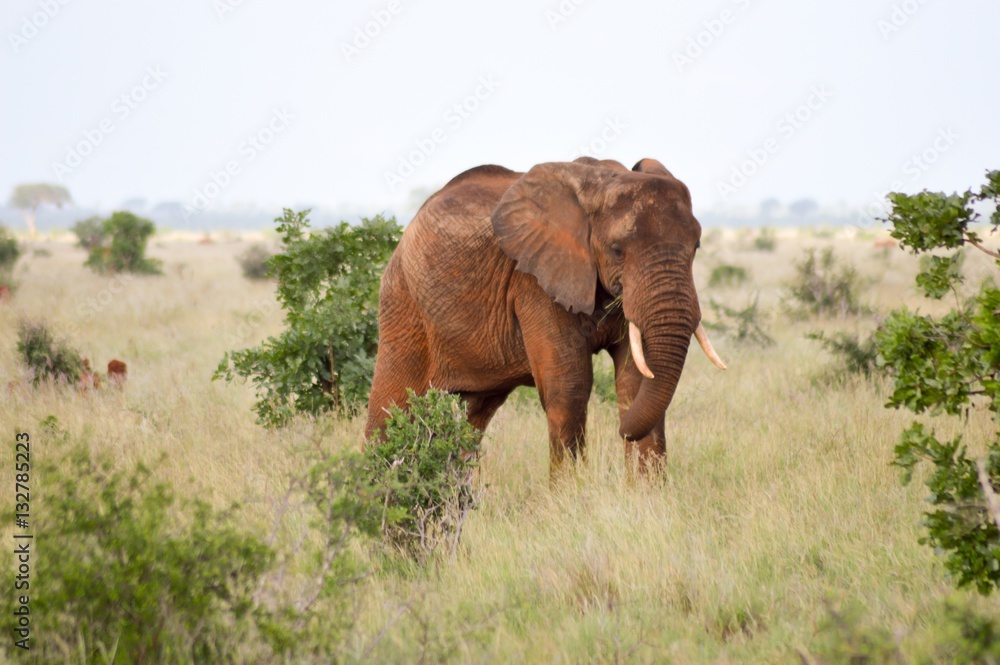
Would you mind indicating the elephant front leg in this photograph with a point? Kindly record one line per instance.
(564, 377)
(651, 450)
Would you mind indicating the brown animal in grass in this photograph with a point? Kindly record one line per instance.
(886, 243)
(508, 279)
(117, 373)
(5, 293)
(88, 379)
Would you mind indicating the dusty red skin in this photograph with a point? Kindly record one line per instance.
(506, 279)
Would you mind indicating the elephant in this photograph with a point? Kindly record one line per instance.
(507, 279)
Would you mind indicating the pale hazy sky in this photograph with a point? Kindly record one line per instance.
(887, 80)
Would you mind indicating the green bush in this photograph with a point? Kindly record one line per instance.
(328, 285)
(858, 356)
(46, 356)
(421, 467)
(123, 246)
(952, 633)
(604, 379)
(821, 287)
(89, 232)
(727, 276)
(743, 326)
(950, 364)
(766, 241)
(131, 570)
(254, 261)
(10, 252)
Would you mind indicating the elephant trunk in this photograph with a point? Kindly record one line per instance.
(661, 325)
(666, 352)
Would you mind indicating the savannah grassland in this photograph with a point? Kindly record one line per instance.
(778, 501)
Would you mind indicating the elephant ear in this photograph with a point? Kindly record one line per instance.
(543, 223)
(652, 167)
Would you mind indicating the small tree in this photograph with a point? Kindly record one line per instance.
(822, 287)
(328, 286)
(122, 248)
(950, 364)
(89, 232)
(254, 261)
(10, 251)
(29, 197)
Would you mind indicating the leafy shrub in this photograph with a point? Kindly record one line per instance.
(858, 356)
(134, 571)
(939, 274)
(254, 261)
(766, 241)
(843, 636)
(421, 468)
(46, 356)
(727, 275)
(89, 232)
(123, 246)
(604, 379)
(821, 287)
(946, 365)
(328, 285)
(10, 252)
(954, 633)
(743, 326)
(341, 508)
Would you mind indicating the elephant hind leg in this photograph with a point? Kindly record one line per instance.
(394, 374)
(483, 406)
(403, 359)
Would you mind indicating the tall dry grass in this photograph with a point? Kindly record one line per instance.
(778, 497)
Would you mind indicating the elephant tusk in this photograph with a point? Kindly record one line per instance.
(706, 346)
(635, 342)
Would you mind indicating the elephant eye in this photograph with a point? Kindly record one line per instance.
(616, 250)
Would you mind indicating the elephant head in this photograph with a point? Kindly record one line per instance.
(577, 226)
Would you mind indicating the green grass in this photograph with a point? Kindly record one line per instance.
(777, 498)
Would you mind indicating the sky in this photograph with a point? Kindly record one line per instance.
(367, 106)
